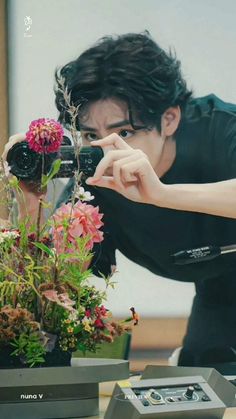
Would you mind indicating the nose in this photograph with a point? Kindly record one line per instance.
(104, 133)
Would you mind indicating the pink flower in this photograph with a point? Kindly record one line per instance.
(87, 313)
(81, 220)
(110, 328)
(99, 324)
(62, 300)
(101, 311)
(45, 135)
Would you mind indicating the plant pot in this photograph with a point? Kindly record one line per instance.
(56, 358)
(8, 361)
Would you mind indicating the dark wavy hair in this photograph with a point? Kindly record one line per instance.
(130, 67)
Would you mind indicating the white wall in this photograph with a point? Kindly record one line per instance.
(203, 33)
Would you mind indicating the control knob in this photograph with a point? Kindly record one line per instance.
(155, 395)
(189, 392)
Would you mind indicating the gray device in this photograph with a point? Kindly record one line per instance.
(57, 392)
(178, 392)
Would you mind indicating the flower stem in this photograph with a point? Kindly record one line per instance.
(38, 225)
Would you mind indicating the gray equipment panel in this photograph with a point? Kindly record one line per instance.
(172, 395)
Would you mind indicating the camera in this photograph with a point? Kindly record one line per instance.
(27, 165)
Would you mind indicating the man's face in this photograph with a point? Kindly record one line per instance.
(105, 117)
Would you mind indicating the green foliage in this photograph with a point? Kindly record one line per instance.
(44, 248)
(53, 171)
(7, 291)
(108, 280)
(29, 348)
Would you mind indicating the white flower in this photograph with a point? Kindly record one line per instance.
(83, 195)
(7, 168)
(4, 235)
(86, 320)
(74, 316)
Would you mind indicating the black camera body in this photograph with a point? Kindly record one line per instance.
(26, 164)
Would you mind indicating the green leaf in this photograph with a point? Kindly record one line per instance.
(53, 171)
(46, 204)
(14, 182)
(44, 248)
(82, 347)
(129, 319)
(44, 181)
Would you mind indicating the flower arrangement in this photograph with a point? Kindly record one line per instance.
(47, 304)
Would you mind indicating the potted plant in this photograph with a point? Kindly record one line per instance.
(48, 308)
(48, 305)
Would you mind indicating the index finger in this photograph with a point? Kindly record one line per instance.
(112, 139)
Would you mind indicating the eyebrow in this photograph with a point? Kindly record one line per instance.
(110, 126)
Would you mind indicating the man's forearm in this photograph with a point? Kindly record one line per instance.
(210, 198)
(30, 213)
(31, 216)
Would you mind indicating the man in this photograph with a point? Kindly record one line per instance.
(167, 181)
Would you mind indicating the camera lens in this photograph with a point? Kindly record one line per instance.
(25, 160)
(24, 163)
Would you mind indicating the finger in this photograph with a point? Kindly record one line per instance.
(108, 160)
(112, 139)
(105, 182)
(119, 165)
(17, 138)
(123, 172)
(140, 169)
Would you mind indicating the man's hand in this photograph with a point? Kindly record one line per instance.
(126, 171)
(14, 139)
(31, 192)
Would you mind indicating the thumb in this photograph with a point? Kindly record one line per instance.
(103, 182)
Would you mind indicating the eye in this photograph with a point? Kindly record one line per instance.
(125, 133)
(90, 136)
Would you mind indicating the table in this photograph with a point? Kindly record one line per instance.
(229, 414)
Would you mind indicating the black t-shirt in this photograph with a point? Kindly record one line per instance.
(149, 235)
